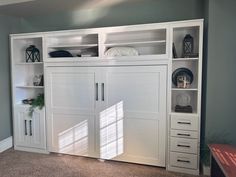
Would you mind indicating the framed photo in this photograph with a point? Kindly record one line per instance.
(174, 51)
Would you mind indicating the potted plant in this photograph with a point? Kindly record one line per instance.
(38, 102)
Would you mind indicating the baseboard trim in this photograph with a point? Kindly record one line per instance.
(6, 144)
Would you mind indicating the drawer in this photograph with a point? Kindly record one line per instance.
(184, 122)
(183, 160)
(184, 134)
(184, 145)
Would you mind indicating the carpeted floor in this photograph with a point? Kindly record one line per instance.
(24, 164)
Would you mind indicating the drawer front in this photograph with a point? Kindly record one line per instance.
(183, 160)
(184, 145)
(184, 134)
(184, 122)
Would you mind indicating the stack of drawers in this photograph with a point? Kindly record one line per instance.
(184, 141)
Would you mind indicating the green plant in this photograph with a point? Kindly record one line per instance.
(38, 102)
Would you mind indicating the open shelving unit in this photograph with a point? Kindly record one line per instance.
(184, 152)
(190, 63)
(29, 130)
(74, 43)
(146, 42)
(23, 72)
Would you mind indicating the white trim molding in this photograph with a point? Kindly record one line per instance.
(9, 2)
(6, 144)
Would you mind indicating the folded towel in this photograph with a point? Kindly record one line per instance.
(121, 51)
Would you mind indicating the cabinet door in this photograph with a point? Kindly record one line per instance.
(21, 127)
(37, 129)
(132, 121)
(71, 94)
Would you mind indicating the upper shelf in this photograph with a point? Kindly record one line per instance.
(136, 43)
(29, 63)
(185, 59)
(29, 87)
(72, 46)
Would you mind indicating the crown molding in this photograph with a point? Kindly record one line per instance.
(9, 2)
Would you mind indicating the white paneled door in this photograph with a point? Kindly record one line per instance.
(29, 131)
(71, 93)
(108, 112)
(132, 122)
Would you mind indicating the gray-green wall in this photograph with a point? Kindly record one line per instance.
(219, 56)
(135, 12)
(221, 71)
(219, 62)
(125, 13)
(7, 25)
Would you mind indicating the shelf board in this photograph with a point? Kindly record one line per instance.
(22, 105)
(185, 59)
(72, 59)
(182, 113)
(73, 46)
(135, 43)
(184, 89)
(29, 86)
(29, 63)
(146, 57)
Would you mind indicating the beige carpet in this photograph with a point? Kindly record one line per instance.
(23, 164)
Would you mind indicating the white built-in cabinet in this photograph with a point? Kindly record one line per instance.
(29, 131)
(111, 107)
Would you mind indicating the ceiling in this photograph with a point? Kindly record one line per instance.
(27, 8)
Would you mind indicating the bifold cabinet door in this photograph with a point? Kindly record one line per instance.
(71, 94)
(29, 131)
(132, 122)
(37, 129)
(21, 127)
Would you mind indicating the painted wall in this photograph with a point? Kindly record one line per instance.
(219, 47)
(135, 12)
(125, 13)
(221, 72)
(8, 25)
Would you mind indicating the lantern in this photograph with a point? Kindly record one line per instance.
(32, 54)
(188, 46)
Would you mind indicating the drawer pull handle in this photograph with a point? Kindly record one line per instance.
(26, 127)
(184, 161)
(186, 146)
(184, 123)
(31, 128)
(182, 134)
(103, 94)
(96, 91)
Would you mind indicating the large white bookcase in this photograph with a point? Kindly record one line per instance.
(87, 96)
(29, 131)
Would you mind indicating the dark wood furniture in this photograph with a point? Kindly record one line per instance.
(223, 160)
